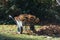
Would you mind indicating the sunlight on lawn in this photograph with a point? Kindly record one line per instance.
(8, 32)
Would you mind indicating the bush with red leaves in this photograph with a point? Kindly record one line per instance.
(28, 20)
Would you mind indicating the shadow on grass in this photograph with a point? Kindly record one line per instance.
(53, 36)
(3, 37)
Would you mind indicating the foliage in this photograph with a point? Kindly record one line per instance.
(44, 9)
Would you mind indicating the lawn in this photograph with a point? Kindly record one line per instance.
(8, 32)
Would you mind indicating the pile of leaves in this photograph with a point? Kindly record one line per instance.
(49, 30)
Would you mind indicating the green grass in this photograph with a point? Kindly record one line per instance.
(8, 32)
